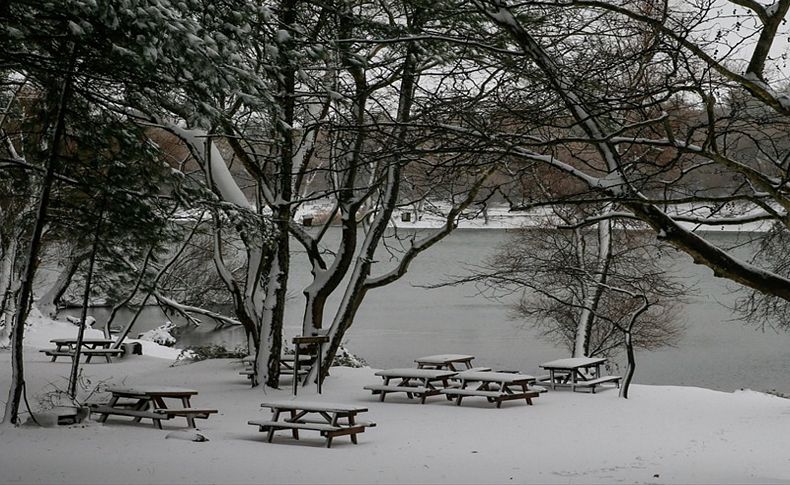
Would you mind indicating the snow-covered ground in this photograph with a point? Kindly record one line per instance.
(663, 434)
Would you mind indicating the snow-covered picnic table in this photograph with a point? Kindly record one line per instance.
(149, 402)
(445, 361)
(91, 347)
(329, 419)
(576, 372)
(494, 386)
(414, 382)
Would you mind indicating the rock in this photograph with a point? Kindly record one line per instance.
(186, 436)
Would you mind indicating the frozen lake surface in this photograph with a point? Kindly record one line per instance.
(403, 321)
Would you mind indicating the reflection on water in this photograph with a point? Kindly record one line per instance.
(403, 321)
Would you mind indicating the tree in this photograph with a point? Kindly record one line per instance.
(345, 134)
(77, 58)
(631, 138)
(593, 307)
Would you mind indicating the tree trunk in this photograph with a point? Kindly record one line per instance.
(24, 297)
(629, 372)
(267, 361)
(595, 289)
(48, 302)
(75, 363)
(9, 280)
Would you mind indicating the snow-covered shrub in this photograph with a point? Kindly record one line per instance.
(160, 335)
(89, 321)
(344, 358)
(212, 351)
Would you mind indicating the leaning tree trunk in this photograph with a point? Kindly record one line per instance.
(25, 295)
(48, 302)
(594, 289)
(267, 361)
(629, 372)
(75, 362)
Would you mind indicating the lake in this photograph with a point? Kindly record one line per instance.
(402, 321)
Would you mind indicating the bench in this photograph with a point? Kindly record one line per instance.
(186, 412)
(419, 391)
(106, 353)
(106, 411)
(89, 353)
(491, 396)
(477, 369)
(592, 383)
(326, 430)
(189, 413)
(54, 353)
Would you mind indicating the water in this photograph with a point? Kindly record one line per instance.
(402, 321)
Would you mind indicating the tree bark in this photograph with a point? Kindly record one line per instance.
(629, 371)
(75, 363)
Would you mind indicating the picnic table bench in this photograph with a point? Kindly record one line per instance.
(577, 372)
(149, 402)
(494, 386)
(329, 419)
(414, 382)
(286, 365)
(66, 347)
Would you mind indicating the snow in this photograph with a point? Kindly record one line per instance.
(160, 335)
(662, 434)
(501, 217)
(572, 362)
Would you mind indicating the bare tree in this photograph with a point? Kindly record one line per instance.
(647, 141)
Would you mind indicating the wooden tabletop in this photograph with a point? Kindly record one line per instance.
(573, 363)
(164, 391)
(84, 341)
(444, 359)
(410, 372)
(494, 377)
(327, 407)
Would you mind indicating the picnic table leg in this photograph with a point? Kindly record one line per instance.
(190, 418)
(294, 432)
(384, 393)
(275, 417)
(525, 388)
(113, 401)
(574, 379)
(351, 423)
(551, 377)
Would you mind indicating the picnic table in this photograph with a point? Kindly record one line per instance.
(577, 372)
(446, 361)
(329, 419)
(494, 386)
(91, 347)
(149, 402)
(414, 382)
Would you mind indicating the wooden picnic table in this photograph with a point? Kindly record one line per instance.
(91, 347)
(575, 372)
(494, 386)
(444, 361)
(414, 382)
(329, 419)
(149, 402)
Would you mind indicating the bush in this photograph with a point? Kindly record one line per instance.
(344, 358)
(197, 353)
